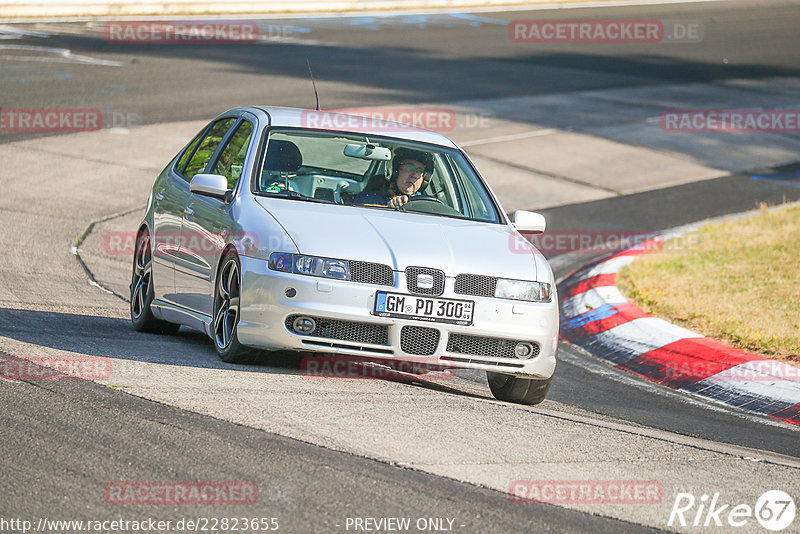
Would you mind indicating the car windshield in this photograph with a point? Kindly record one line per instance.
(365, 171)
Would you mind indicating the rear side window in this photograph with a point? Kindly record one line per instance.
(188, 152)
(231, 161)
(207, 147)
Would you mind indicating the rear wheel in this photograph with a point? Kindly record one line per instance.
(142, 292)
(227, 294)
(518, 390)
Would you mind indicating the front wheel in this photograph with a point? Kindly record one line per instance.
(227, 294)
(518, 390)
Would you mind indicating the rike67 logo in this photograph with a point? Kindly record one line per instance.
(774, 510)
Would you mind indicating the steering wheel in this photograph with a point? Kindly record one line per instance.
(433, 206)
(431, 199)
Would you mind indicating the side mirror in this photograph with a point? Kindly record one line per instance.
(529, 222)
(210, 185)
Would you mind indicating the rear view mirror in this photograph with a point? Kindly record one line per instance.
(367, 152)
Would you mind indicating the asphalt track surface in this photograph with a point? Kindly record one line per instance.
(364, 61)
(62, 439)
(305, 487)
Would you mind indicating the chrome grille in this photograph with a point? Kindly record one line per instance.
(486, 346)
(419, 340)
(377, 334)
(412, 280)
(475, 284)
(371, 273)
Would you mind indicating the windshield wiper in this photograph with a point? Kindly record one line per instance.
(294, 195)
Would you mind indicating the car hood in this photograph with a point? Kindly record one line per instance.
(403, 239)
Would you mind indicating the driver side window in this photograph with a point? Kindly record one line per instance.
(438, 188)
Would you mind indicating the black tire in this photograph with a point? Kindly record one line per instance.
(518, 390)
(142, 292)
(227, 291)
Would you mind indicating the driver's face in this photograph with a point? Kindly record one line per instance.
(410, 176)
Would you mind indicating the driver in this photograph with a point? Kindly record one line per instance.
(411, 171)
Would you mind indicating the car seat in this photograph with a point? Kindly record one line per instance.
(282, 158)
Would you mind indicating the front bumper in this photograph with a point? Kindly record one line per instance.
(268, 298)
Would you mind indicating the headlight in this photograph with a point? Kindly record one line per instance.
(309, 265)
(522, 290)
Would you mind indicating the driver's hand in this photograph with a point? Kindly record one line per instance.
(398, 201)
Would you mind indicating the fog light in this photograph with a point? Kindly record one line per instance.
(304, 325)
(523, 350)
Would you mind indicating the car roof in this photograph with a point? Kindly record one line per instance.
(331, 120)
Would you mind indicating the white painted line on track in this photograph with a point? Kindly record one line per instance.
(611, 266)
(60, 55)
(512, 137)
(767, 387)
(101, 288)
(593, 298)
(643, 335)
(7, 32)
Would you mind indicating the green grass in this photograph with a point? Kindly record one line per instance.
(737, 282)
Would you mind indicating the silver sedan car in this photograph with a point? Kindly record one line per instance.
(294, 230)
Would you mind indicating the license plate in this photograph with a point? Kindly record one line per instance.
(430, 309)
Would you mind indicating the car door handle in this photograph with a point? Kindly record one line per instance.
(160, 195)
(188, 211)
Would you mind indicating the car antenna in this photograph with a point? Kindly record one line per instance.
(312, 82)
